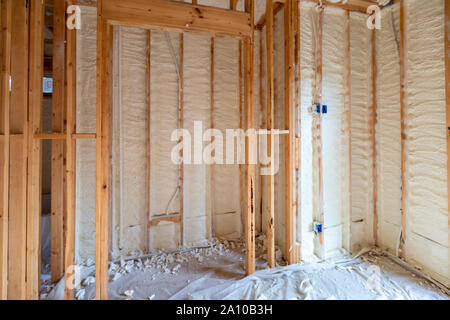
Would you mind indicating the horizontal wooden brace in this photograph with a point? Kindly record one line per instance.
(156, 221)
(176, 15)
(62, 136)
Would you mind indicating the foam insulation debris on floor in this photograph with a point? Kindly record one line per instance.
(217, 272)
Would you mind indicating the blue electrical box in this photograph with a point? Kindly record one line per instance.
(317, 228)
(324, 109)
(318, 108)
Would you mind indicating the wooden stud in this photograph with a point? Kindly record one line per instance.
(213, 211)
(289, 123)
(298, 108)
(262, 125)
(36, 62)
(170, 15)
(270, 224)
(18, 152)
(447, 96)
(57, 183)
(149, 87)
(373, 124)
(5, 69)
(103, 152)
(69, 252)
(277, 6)
(403, 124)
(181, 127)
(348, 126)
(233, 4)
(249, 48)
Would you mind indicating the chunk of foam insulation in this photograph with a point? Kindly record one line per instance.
(332, 152)
(362, 163)
(427, 239)
(388, 131)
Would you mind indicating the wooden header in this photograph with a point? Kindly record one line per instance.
(177, 15)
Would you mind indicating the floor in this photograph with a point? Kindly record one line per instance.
(217, 272)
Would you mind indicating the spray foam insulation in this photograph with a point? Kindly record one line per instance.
(361, 108)
(388, 130)
(427, 241)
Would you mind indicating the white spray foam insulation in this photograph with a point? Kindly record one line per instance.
(197, 107)
(333, 51)
(427, 240)
(226, 116)
(388, 131)
(361, 108)
(85, 157)
(307, 163)
(130, 124)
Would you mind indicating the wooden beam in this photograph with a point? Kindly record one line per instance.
(36, 72)
(373, 124)
(403, 124)
(262, 21)
(177, 15)
(157, 220)
(5, 69)
(350, 5)
(62, 136)
(262, 125)
(249, 48)
(18, 152)
(69, 252)
(149, 87)
(211, 80)
(57, 183)
(103, 153)
(233, 4)
(270, 224)
(348, 125)
(289, 123)
(298, 108)
(447, 96)
(181, 139)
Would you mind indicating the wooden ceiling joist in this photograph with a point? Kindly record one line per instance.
(177, 15)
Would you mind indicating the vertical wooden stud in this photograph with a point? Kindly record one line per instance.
(69, 252)
(447, 96)
(348, 126)
(289, 123)
(270, 232)
(373, 124)
(57, 183)
(249, 49)
(5, 69)
(36, 61)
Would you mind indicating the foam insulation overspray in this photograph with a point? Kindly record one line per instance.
(361, 108)
(388, 131)
(85, 157)
(333, 51)
(427, 241)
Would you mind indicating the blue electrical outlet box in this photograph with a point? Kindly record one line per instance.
(318, 108)
(324, 109)
(317, 228)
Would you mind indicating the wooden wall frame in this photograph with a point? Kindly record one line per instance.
(162, 15)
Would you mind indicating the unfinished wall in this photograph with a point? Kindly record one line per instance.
(427, 241)
(130, 125)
